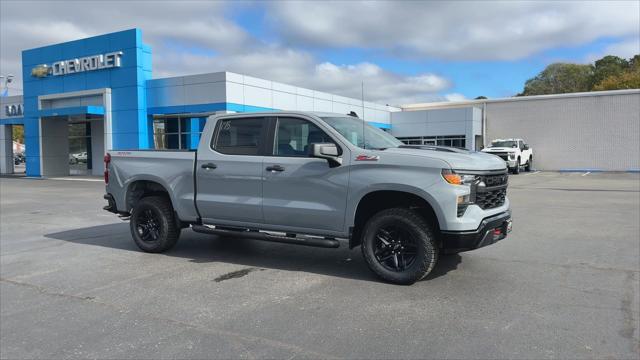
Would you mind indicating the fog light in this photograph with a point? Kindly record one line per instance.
(463, 199)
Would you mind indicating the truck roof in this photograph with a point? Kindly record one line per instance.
(316, 113)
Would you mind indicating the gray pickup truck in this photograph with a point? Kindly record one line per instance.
(314, 179)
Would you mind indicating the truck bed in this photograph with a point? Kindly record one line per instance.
(173, 169)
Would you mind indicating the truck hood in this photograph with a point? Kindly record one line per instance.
(499, 149)
(456, 158)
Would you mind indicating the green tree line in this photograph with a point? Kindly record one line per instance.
(609, 73)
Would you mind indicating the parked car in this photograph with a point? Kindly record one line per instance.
(515, 152)
(314, 179)
(76, 158)
(18, 158)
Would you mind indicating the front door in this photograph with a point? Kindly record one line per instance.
(299, 191)
(229, 172)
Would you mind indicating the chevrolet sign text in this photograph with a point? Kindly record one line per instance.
(72, 66)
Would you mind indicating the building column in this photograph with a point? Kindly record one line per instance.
(6, 149)
(194, 138)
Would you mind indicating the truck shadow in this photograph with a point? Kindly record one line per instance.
(201, 248)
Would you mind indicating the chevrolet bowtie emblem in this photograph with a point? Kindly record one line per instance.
(41, 71)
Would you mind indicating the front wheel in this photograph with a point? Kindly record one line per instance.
(153, 224)
(516, 170)
(399, 246)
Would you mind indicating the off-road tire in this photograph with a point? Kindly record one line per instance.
(529, 164)
(168, 230)
(422, 235)
(516, 170)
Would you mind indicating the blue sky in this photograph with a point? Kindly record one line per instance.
(469, 78)
(404, 51)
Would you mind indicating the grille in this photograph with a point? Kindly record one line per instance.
(491, 199)
(494, 180)
(492, 190)
(502, 155)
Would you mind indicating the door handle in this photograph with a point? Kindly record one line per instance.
(274, 168)
(209, 166)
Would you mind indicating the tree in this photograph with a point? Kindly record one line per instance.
(560, 78)
(481, 97)
(18, 133)
(629, 79)
(609, 66)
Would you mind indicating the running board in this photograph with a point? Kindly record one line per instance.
(264, 236)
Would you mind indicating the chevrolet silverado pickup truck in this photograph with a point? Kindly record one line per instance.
(314, 179)
(515, 152)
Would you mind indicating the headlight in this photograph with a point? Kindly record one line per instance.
(472, 181)
(458, 179)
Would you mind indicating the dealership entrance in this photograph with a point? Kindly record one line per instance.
(74, 133)
(73, 145)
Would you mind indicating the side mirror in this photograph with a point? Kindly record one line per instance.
(525, 147)
(327, 151)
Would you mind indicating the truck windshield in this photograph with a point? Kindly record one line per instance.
(352, 129)
(501, 143)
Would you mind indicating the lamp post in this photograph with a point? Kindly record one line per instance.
(6, 80)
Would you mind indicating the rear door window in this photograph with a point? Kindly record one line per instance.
(241, 136)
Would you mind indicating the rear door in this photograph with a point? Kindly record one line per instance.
(229, 172)
(299, 191)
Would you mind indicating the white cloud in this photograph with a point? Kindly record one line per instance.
(301, 69)
(183, 36)
(625, 49)
(458, 30)
(455, 97)
(198, 36)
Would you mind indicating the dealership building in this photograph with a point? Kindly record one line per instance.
(84, 97)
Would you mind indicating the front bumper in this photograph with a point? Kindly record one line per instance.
(490, 231)
(511, 163)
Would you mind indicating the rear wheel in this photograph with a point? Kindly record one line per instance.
(529, 164)
(399, 246)
(153, 224)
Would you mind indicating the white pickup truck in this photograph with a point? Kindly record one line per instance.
(515, 152)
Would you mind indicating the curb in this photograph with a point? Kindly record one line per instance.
(579, 170)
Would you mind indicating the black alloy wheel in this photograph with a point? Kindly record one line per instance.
(395, 249)
(148, 225)
(399, 246)
(153, 224)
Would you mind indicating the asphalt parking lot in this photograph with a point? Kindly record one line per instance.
(564, 284)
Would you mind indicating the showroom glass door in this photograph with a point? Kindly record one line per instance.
(80, 148)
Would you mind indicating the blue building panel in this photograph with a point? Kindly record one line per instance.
(98, 79)
(74, 110)
(130, 125)
(32, 164)
(30, 106)
(124, 121)
(74, 49)
(128, 98)
(126, 77)
(125, 141)
(97, 44)
(74, 82)
(124, 40)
